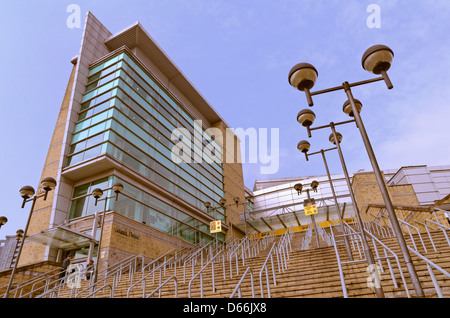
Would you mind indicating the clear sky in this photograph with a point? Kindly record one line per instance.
(238, 53)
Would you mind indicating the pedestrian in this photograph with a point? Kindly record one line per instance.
(65, 265)
(89, 269)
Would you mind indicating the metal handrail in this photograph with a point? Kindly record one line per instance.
(155, 260)
(267, 274)
(307, 238)
(430, 270)
(238, 286)
(324, 235)
(386, 248)
(162, 285)
(33, 280)
(116, 271)
(378, 258)
(59, 284)
(341, 272)
(408, 226)
(378, 227)
(111, 292)
(192, 258)
(234, 252)
(429, 234)
(143, 279)
(200, 272)
(284, 247)
(443, 227)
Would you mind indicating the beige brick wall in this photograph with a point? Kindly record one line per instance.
(40, 218)
(233, 181)
(118, 243)
(367, 192)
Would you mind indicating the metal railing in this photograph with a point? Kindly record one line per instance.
(324, 235)
(238, 286)
(200, 273)
(45, 278)
(307, 238)
(174, 278)
(115, 273)
(430, 264)
(378, 229)
(388, 254)
(409, 227)
(53, 288)
(264, 268)
(156, 267)
(193, 259)
(440, 227)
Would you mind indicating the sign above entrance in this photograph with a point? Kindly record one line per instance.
(215, 226)
(310, 207)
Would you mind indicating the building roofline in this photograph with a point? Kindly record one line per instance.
(136, 36)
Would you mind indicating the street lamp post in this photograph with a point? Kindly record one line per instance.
(27, 193)
(97, 194)
(210, 208)
(305, 150)
(377, 60)
(336, 138)
(299, 187)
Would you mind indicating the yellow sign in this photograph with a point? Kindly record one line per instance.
(215, 227)
(310, 209)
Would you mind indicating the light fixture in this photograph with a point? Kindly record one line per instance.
(117, 188)
(306, 117)
(377, 60)
(48, 184)
(207, 204)
(26, 192)
(303, 146)
(3, 220)
(97, 193)
(19, 234)
(236, 200)
(314, 185)
(298, 187)
(347, 107)
(303, 76)
(338, 136)
(222, 202)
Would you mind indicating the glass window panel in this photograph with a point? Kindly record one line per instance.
(77, 207)
(96, 129)
(94, 140)
(78, 136)
(92, 152)
(81, 190)
(75, 159)
(78, 147)
(96, 69)
(82, 125)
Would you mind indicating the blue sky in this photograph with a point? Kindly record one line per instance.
(238, 53)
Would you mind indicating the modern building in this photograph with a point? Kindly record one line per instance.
(276, 205)
(129, 115)
(126, 109)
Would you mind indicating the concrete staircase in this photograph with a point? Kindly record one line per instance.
(310, 273)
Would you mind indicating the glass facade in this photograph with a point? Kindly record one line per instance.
(126, 114)
(429, 183)
(139, 206)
